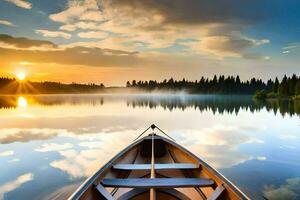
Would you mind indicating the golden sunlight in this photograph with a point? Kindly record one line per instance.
(21, 75)
(22, 102)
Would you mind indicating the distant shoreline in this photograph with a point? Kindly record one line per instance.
(230, 85)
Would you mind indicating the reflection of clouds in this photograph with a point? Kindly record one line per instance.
(287, 147)
(8, 136)
(78, 163)
(6, 153)
(218, 145)
(62, 193)
(73, 127)
(90, 144)
(53, 147)
(287, 136)
(290, 190)
(14, 160)
(97, 122)
(12, 185)
(261, 158)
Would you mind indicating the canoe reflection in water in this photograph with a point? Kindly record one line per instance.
(155, 167)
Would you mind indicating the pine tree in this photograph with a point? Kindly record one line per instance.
(297, 88)
(283, 88)
(292, 84)
(275, 86)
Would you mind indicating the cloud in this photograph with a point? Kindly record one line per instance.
(12, 185)
(228, 46)
(290, 190)
(89, 54)
(6, 153)
(21, 3)
(291, 48)
(93, 15)
(160, 24)
(93, 34)
(190, 11)
(80, 25)
(84, 10)
(6, 23)
(54, 34)
(9, 42)
(53, 147)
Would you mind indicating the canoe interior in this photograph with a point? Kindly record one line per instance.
(187, 169)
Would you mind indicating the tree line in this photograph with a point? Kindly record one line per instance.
(216, 85)
(12, 86)
(289, 86)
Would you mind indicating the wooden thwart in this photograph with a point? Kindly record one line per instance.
(156, 166)
(217, 193)
(104, 193)
(173, 192)
(157, 182)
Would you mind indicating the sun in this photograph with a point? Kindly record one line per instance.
(21, 75)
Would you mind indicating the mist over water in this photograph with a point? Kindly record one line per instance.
(254, 144)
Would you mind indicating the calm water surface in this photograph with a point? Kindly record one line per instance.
(50, 144)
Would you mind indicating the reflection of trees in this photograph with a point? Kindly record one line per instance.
(216, 103)
(284, 107)
(7, 102)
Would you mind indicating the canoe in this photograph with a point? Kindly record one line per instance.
(156, 167)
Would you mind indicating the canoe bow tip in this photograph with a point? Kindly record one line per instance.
(153, 126)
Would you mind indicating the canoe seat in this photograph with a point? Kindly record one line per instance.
(157, 182)
(156, 166)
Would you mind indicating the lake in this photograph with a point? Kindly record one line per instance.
(51, 143)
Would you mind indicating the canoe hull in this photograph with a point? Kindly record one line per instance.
(173, 162)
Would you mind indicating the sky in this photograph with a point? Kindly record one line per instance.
(112, 41)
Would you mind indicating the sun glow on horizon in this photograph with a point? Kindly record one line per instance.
(21, 75)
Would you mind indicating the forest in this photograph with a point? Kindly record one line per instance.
(287, 87)
(12, 86)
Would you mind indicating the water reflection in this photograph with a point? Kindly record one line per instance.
(14, 184)
(22, 102)
(70, 136)
(11, 101)
(216, 103)
(289, 190)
